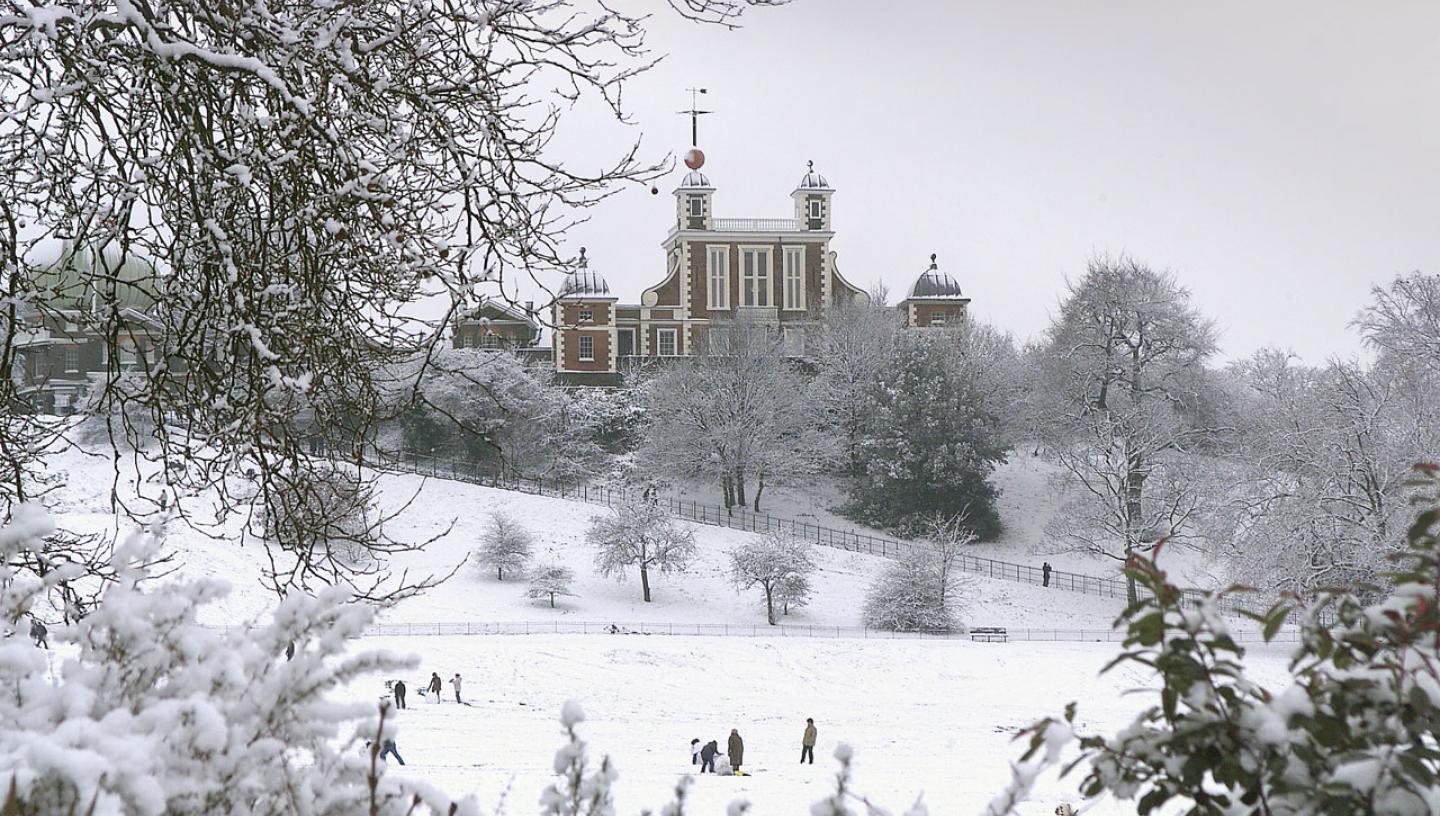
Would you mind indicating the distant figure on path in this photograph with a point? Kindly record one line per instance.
(388, 747)
(1045, 574)
(399, 691)
(707, 756)
(736, 749)
(290, 651)
(39, 633)
(695, 752)
(807, 744)
(455, 681)
(435, 686)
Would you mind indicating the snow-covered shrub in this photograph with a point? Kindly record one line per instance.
(505, 546)
(778, 564)
(156, 714)
(640, 535)
(550, 581)
(913, 594)
(1354, 731)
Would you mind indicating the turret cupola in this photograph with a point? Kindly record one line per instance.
(934, 300)
(812, 200)
(584, 283)
(694, 197)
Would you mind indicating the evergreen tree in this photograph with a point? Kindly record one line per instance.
(932, 439)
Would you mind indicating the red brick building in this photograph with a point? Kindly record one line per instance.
(779, 272)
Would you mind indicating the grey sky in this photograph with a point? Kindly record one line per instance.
(1280, 157)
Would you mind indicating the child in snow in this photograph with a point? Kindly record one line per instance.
(694, 752)
(435, 686)
(39, 633)
(707, 756)
(455, 681)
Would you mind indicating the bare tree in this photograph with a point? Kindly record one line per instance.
(640, 535)
(852, 347)
(299, 176)
(773, 562)
(505, 546)
(1120, 367)
(550, 581)
(740, 414)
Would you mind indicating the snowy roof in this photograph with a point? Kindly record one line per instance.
(933, 283)
(584, 282)
(812, 180)
(695, 178)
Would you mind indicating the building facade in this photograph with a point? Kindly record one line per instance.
(775, 272)
(779, 272)
(497, 325)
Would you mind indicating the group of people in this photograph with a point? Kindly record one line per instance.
(435, 688)
(705, 755)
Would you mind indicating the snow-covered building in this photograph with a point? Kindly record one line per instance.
(779, 272)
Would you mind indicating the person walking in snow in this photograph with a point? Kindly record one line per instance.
(695, 752)
(1045, 574)
(455, 681)
(399, 690)
(290, 651)
(388, 747)
(807, 743)
(39, 633)
(735, 749)
(707, 756)
(435, 686)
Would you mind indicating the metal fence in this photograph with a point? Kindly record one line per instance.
(759, 630)
(740, 518)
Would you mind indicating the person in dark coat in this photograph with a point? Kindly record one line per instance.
(388, 747)
(707, 756)
(399, 690)
(39, 633)
(1045, 574)
(736, 749)
(290, 650)
(435, 686)
(807, 743)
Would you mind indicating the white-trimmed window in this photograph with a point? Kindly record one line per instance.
(72, 359)
(816, 209)
(587, 316)
(697, 207)
(490, 340)
(587, 348)
(937, 318)
(794, 278)
(717, 276)
(755, 286)
(666, 342)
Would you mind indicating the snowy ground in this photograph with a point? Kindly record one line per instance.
(933, 718)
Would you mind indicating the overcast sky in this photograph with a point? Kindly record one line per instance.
(1279, 157)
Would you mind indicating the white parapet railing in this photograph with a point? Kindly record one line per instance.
(757, 225)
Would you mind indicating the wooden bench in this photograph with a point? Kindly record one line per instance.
(990, 634)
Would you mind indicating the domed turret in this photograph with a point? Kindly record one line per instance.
(812, 200)
(812, 180)
(933, 283)
(935, 301)
(695, 180)
(584, 282)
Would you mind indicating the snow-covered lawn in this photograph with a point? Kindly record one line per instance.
(932, 718)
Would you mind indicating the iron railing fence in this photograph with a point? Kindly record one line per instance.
(756, 630)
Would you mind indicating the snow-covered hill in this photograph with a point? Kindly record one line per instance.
(704, 595)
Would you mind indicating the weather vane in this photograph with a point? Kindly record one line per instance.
(695, 113)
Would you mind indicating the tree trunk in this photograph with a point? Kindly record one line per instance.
(499, 573)
(759, 488)
(740, 486)
(552, 600)
(728, 485)
(645, 582)
(769, 605)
